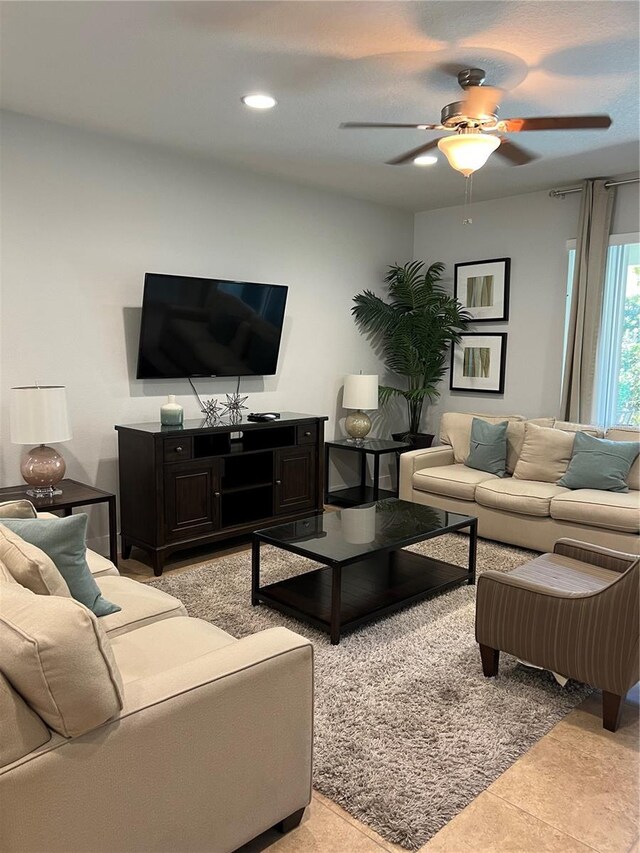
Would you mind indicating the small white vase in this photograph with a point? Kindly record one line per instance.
(171, 413)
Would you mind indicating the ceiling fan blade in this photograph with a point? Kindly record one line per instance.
(349, 125)
(516, 125)
(411, 155)
(514, 153)
(481, 101)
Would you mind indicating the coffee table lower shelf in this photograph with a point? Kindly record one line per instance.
(362, 591)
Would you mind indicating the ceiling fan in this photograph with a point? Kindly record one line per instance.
(478, 130)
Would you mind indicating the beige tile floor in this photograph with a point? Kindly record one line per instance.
(577, 789)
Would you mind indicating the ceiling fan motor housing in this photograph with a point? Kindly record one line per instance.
(454, 117)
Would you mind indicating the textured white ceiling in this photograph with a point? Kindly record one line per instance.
(173, 72)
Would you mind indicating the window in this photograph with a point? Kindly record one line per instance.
(617, 385)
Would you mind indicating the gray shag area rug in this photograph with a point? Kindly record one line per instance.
(407, 729)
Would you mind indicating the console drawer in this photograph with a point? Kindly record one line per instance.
(177, 449)
(306, 433)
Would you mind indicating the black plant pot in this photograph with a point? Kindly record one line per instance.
(418, 439)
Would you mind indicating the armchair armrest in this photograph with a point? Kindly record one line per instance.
(415, 460)
(204, 756)
(595, 555)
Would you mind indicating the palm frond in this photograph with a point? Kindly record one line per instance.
(413, 330)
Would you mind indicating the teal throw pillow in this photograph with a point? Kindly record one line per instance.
(488, 447)
(597, 463)
(63, 539)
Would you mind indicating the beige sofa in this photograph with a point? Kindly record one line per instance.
(528, 513)
(212, 747)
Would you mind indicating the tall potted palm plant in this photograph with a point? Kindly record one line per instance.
(413, 332)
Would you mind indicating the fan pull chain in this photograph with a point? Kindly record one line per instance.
(468, 197)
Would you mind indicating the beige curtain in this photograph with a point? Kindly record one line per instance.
(594, 225)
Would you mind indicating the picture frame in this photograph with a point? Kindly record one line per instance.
(482, 288)
(478, 363)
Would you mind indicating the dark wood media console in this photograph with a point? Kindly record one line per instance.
(185, 486)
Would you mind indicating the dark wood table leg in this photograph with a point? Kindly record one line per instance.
(363, 474)
(255, 571)
(113, 532)
(376, 476)
(336, 596)
(326, 473)
(473, 548)
(66, 512)
(157, 561)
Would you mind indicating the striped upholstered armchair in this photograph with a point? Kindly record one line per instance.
(575, 612)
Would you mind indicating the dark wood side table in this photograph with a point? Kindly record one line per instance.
(73, 494)
(363, 493)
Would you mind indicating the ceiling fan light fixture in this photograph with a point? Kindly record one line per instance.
(467, 152)
(259, 101)
(425, 160)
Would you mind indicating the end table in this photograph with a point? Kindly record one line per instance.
(73, 494)
(362, 494)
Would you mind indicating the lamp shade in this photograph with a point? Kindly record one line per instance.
(467, 152)
(360, 391)
(39, 415)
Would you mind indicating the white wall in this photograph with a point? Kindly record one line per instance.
(84, 216)
(533, 231)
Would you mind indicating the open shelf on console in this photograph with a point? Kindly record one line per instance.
(246, 505)
(241, 471)
(214, 444)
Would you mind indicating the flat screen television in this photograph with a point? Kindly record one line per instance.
(209, 327)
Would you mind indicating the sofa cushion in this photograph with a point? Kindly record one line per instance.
(58, 658)
(545, 454)
(17, 509)
(453, 481)
(612, 510)
(22, 730)
(628, 433)
(139, 604)
(63, 539)
(455, 430)
(488, 447)
(564, 574)
(164, 645)
(569, 426)
(30, 566)
(527, 497)
(99, 565)
(599, 463)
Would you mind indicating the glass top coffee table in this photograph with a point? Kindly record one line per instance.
(365, 571)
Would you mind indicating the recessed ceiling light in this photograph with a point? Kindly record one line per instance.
(425, 160)
(259, 102)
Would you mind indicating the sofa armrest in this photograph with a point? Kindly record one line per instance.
(595, 555)
(203, 757)
(415, 460)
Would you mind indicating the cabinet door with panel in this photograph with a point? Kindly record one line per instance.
(191, 498)
(296, 475)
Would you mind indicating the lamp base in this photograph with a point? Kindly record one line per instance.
(43, 493)
(358, 426)
(42, 469)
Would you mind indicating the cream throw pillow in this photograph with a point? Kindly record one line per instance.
(30, 566)
(59, 659)
(21, 731)
(545, 454)
(5, 574)
(17, 509)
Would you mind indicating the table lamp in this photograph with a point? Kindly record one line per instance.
(360, 392)
(39, 416)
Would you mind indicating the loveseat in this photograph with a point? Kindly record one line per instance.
(524, 511)
(211, 746)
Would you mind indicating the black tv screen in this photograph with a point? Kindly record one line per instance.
(209, 327)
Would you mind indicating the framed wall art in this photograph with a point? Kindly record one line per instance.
(482, 288)
(478, 363)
